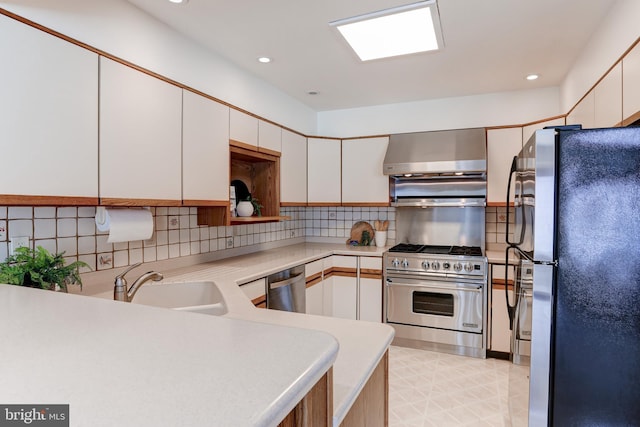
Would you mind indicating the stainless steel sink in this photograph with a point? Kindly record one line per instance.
(199, 297)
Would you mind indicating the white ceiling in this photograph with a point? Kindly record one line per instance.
(490, 46)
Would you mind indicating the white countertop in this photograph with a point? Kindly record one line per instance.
(124, 364)
(249, 367)
(362, 344)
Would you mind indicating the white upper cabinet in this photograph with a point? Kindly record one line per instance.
(243, 128)
(502, 145)
(269, 137)
(528, 131)
(631, 85)
(584, 113)
(205, 149)
(362, 177)
(323, 170)
(608, 99)
(48, 114)
(140, 135)
(293, 168)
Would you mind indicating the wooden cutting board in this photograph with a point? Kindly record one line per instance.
(358, 232)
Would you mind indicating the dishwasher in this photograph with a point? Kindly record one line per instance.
(286, 290)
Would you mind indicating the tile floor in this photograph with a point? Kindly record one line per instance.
(441, 390)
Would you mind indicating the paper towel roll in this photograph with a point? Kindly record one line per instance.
(125, 224)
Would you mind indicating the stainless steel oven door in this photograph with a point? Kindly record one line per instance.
(439, 304)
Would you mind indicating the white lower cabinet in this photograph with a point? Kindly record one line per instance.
(256, 291)
(349, 287)
(500, 332)
(370, 289)
(314, 293)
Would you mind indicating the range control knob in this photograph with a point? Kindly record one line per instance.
(395, 262)
(435, 265)
(457, 266)
(425, 265)
(468, 267)
(446, 265)
(405, 263)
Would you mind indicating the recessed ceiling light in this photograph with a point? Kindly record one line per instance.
(532, 77)
(264, 59)
(179, 1)
(397, 31)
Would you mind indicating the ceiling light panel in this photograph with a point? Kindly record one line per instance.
(392, 32)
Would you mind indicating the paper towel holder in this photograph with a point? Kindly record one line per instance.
(101, 212)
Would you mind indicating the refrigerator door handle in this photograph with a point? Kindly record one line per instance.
(514, 167)
(511, 309)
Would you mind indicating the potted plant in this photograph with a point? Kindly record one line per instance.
(249, 206)
(40, 269)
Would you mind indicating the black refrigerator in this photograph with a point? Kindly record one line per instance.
(577, 223)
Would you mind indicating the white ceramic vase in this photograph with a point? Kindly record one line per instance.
(244, 208)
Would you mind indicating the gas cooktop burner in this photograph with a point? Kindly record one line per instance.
(437, 250)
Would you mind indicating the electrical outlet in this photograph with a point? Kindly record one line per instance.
(229, 243)
(18, 242)
(3, 231)
(174, 222)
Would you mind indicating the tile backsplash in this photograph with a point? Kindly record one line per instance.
(496, 224)
(72, 230)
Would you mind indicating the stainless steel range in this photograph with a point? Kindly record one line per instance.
(436, 297)
(436, 278)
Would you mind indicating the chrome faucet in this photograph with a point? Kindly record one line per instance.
(120, 292)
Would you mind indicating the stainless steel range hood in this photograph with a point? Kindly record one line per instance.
(437, 169)
(453, 152)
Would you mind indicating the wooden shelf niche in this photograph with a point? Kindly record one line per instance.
(261, 173)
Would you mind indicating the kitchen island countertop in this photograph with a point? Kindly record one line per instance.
(247, 342)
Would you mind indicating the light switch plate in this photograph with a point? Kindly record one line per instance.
(18, 242)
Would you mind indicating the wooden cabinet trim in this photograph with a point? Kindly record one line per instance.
(371, 408)
(314, 279)
(269, 152)
(631, 119)
(260, 302)
(17, 200)
(293, 204)
(107, 201)
(196, 203)
(366, 204)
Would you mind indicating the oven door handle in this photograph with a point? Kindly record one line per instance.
(465, 288)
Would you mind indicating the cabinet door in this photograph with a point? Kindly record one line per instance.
(314, 293)
(324, 171)
(584, 113)
(256, 292)
(502, 145)
(362, 177)
(205, 149)
(608, 99)
(293, 169)
(631, 86)
(243, 128)
(269, 137)
(500, 332)
(528, 131)
(48, 114)
(140, 135)
(370, 289)
(344, 298)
